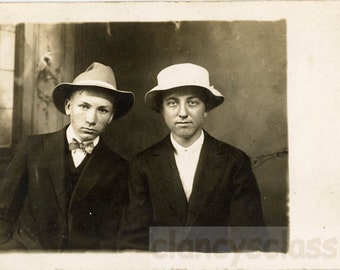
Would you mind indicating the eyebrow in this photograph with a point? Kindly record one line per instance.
(170, 97)
(107, 107)
(174, 97)
(100, 106)
(83, 102)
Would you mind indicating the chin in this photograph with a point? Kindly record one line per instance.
(88, 137)
(184, 136)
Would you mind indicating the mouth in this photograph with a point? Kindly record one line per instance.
(89, 130)
(183, 123)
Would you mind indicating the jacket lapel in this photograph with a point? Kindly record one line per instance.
(55, 155)
(163, 166)
(208, 174)
(89, 176)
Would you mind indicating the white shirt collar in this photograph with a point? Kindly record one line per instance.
(192, 148)
(70, 134)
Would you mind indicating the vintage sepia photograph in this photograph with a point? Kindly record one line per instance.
(157, 142)
(246, 62)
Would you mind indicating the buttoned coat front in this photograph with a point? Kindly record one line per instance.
(34, 202)
(224, 193)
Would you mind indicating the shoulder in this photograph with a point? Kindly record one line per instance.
(117, 159)
(109, 155)
(223, 148)
(156, 149)
(61, 133)
(41, 137)
(35, 140)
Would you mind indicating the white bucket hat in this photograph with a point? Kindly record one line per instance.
(99, 77)
(182, 75)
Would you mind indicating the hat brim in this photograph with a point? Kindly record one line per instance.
(124, 100)
(153, 98)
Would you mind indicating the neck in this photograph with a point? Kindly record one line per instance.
(187, 141)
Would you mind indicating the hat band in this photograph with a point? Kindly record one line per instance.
(95, 83)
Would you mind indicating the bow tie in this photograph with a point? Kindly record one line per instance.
(86, 146)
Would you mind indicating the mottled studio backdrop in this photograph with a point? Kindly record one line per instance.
(247, 62)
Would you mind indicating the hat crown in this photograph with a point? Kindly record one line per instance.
(99, 78)
(97, 72)
(183, 74)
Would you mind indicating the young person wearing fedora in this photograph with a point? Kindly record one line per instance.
(189, 179)
(66, 190)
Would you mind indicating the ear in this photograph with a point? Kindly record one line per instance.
(205, 114)
(111, 117)
(67, 107)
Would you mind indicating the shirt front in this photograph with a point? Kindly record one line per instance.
(78, 154)
(186, 161)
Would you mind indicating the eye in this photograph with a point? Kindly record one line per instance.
(193, 102)
(171, 103)
(103, 110)
(83, 106)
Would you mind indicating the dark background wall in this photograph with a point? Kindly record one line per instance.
(247, 63)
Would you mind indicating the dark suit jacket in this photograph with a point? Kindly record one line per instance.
(34, 203)
(225, 192)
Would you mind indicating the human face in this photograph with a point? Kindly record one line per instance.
(90, 112)
(184, 112)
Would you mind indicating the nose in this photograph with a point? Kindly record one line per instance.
(91, 117)
(183, 112)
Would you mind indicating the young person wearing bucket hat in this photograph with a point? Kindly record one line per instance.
(189, 179)
(66, 190)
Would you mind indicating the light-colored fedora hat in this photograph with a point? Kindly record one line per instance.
(183, 75)
(96, 76)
